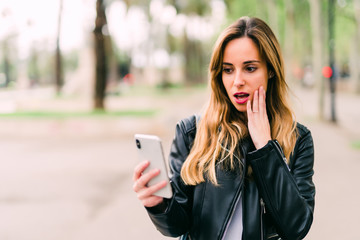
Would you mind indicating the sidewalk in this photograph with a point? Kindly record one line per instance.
(71, 178)
(336, 167)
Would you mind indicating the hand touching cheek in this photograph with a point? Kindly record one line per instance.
(258, 121)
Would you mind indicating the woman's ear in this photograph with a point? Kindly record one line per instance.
(271, 74)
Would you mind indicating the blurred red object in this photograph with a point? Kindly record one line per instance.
(327, 71)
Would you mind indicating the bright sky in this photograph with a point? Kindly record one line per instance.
(35, 24)
(36, 20)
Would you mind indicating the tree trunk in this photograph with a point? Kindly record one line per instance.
(112, 75)
(273, 16)
(354, 64)
(59, 81)
(331, 48)
(33, 68)
(100, 56)
(289, 41)
(189, 60)
(194, 64)
(6, 63)
(357, 62)
(317, 53)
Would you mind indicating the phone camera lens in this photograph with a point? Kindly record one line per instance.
(138, 144)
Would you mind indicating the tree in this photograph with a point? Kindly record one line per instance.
(193, 52)
(33, 67)
(357, 37)
(100, 56)
(290, 38)
(5, 51)
(6, 63)
(331, 19)
(58, 61)
(273, 16)
(250, 8)
(317, 53)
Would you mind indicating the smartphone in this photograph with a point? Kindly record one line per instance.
(149, 148)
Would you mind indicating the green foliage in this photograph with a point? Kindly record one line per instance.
(303, 39)
(300, 14)
(12, 68)
(62, 115)
(71, 61)
(345, 30)
(345, 25)
(33, 67)
(123, 62)
(237, 9)
(198, 7)
(196, 54)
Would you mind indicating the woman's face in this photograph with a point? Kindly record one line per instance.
(244, 71)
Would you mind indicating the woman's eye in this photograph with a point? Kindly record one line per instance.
(250, 69)
(227, 70)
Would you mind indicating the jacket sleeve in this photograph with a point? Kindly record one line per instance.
(288, 194)
(176, 220)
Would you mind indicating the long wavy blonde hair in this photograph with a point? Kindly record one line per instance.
(222, 127)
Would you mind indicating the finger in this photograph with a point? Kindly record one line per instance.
(139, 169)
(264, 94)
(144, 179)
(262, 104)
(255, 107)
(248, 109)
(152, 201)
(145, 193)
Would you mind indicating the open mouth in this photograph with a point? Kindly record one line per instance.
(241, 97)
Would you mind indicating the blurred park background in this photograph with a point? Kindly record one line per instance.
(78, 78)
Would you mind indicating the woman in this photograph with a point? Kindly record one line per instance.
(244, 170)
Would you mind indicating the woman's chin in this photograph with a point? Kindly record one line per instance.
(241, 109)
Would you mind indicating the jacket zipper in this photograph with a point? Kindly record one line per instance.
(273, 235)
(279, 149)
(237, 197)
(263, 211)
(231, 215)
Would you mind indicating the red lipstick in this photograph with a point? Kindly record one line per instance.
(241, 97)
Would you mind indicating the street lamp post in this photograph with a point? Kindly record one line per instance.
(332, 58)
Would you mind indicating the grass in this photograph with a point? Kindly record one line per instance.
(159, 91)
(171, 91)
(356, 144)
(48, 114)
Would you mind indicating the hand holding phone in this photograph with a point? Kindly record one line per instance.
(146, 194)
(153, 175)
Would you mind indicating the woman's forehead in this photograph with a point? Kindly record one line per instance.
(241, 50)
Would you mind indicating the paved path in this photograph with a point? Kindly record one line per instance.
(71, 179)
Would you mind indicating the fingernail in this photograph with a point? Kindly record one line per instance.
(156, 171)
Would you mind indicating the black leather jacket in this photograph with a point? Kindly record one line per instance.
(278, 200)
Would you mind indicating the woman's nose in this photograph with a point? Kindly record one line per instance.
(239, 80)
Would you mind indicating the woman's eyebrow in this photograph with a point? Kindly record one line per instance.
(251, 61)
(246, 62)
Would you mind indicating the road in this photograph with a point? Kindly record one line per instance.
(71, 178)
